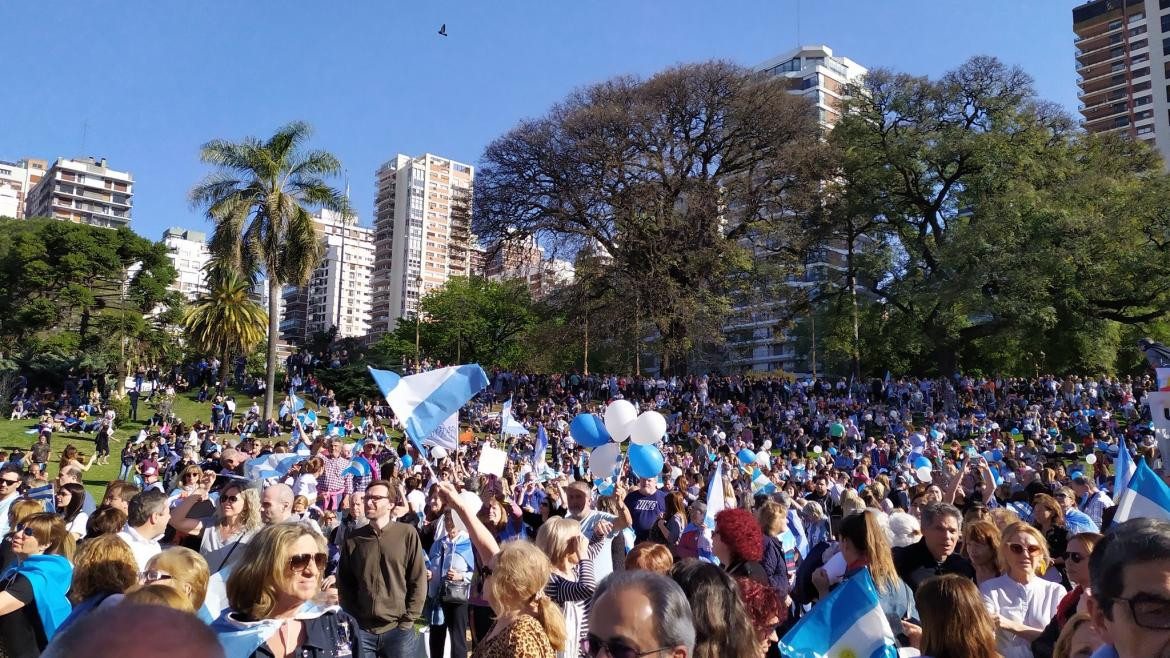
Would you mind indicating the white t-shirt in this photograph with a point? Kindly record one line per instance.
(142, 548)
(417, 500)
(1033, 605)
(77, 525)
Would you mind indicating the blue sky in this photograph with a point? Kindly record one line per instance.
(151, 80)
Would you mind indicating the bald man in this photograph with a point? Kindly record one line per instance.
(276, 504)
(132, 631)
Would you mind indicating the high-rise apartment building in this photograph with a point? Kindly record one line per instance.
(85, 191)
(422, 232)
(338, 293)
(1123, 50)
(526, 261)
(189, 255)
(755, 334)
(16, 180)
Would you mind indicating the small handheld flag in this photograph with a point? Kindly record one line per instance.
(848, 622)
(1145, 496)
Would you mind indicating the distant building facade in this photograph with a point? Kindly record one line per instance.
(17, 179)
(84, 191)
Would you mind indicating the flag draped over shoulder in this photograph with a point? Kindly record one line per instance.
(423, 402)
(848, 622)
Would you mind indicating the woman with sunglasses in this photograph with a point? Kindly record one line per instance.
(33, 599)
(270, 593)
(182, 569)
(235, 521)
(1076, 562)
(1021, 602)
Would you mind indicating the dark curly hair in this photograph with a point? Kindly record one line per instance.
(740, 531)
(761, 602)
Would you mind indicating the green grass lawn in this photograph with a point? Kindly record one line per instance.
(13, 435)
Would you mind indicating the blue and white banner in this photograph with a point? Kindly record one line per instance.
(715, 497)
(848, 622)
(272, 465)
(297, 403)
(1146, 496)
(1123, 470)
(538, 456)
(447, 435)
(508, 423)
(424, 401)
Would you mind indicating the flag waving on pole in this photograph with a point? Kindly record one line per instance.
(848, 622)
(423, 402)
(508, 423)
(1146, 496)
(538, 458)
(297, 403)
(715, 497)
(1123, 470)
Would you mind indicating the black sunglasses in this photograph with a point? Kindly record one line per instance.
(301, 561)
(230, 499)
(1074, 557)
(594, 645)
(1148, 611)
(6, 482)
(22, 529)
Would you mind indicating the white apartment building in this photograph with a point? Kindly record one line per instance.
(338, 293)
(189, 255)
(755, 337)
(85, 191)
(422, 232)
(1122, 51)
(16, 180)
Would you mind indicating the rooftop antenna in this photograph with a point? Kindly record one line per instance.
(84, 133)
(798, 42)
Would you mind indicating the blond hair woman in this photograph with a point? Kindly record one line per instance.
(182, 569)
(528, 624)
(269, 597)
(236, 520)
(1022, 602)
(572, 582)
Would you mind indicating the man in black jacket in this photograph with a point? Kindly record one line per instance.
(934, 554)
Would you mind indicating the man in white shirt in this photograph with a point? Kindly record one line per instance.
(147, 518)
(10, 479)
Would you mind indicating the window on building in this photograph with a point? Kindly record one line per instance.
(1163, 4)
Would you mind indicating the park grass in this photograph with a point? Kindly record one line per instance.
(13, 434)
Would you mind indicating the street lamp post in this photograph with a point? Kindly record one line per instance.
(417, 324)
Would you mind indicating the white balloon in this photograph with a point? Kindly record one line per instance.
(923, 473)
(604, 460)
(438, 452)
(619, 415)
(473, 502)
(817, 449)
(1091, 459)
(647, 429)
(764, 459)
(767, 444)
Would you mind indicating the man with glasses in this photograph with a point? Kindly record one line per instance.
(640, 613)
(10, 479)
(382, 578)
(1130, 604)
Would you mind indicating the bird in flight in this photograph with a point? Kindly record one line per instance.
(443, 30)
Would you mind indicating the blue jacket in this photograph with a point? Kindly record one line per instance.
(439, 561)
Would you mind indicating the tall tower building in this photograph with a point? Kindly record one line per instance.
(85, 191)
(756, 338)
(422, 232)
(188, 252)
(1123, 47)
(338, 292)
(16, 180)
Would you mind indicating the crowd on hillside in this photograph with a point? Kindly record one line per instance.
(980, 508)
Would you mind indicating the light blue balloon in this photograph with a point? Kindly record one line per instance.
(919, 461)
(588, 430)
(645, 460)
(746, 456)
(833, 451)
(935, 434)
(996, 455)
(407, 461)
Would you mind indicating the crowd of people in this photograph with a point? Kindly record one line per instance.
(978, 507)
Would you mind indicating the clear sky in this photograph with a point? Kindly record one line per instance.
(145, 82)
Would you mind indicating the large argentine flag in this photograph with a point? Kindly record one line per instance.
(848, 622)
(1145, 496)
(424, 401)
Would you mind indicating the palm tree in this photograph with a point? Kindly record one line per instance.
(258, 198)
(225, 321)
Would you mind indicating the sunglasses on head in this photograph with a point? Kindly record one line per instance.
(1019, 549)
(615, 648)
(301, 561)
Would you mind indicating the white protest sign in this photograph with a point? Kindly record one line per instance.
(492, 461)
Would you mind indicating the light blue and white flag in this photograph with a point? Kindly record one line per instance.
(239, 638)
(538, 457)
(1146, 495)
(715, 497)
(848, 622)
(272, 465)
(1123, 470)
(358, 467)
(447, 434)
(297, 403)
(761, 484)
(508, 423)
(215, 601)
(424, 401)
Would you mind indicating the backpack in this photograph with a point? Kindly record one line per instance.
(688, 544)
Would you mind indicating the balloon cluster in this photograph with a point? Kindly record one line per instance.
(604, 438)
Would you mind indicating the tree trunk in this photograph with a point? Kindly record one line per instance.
(273, 336)
(224, 367)
(855, 355)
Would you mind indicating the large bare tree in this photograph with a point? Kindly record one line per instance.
(675, 178)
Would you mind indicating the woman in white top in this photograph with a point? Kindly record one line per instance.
(70, 498)
(228, 530)
(1021, 602)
